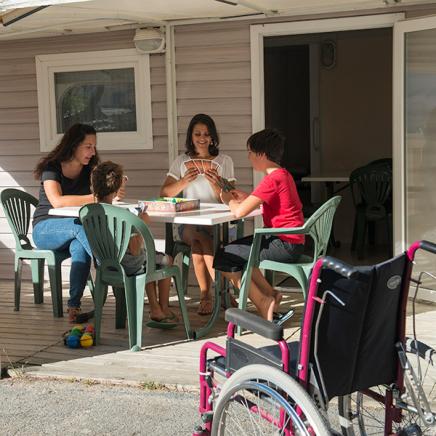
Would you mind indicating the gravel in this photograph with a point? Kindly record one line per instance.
(40, 407)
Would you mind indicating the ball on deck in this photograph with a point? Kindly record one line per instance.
(73, 341)
(77, 331)
(89, 329)
(86, 340)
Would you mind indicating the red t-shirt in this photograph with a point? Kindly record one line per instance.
(281, 207)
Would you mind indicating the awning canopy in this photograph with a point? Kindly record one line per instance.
(30, 18)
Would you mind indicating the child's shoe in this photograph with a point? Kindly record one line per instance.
(72, 314)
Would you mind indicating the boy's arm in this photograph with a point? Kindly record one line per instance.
(245, 207)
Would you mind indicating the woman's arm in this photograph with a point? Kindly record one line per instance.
(173, 187)
(54, 194)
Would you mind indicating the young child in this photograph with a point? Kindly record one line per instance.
(281, 208)
(106, 180)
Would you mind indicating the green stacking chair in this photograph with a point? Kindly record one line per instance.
(318, 227)
(371, 191)
(17, 206)
(108, 229)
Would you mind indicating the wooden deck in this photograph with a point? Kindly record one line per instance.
(33, 336)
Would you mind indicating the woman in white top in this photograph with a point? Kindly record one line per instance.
(188, 178)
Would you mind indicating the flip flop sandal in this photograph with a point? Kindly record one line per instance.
(163, 324)
(280, 318)
(173, 317)
(202, 311)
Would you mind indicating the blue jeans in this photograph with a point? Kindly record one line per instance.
(67, 234)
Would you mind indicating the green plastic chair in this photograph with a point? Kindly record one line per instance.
(17, 206)
(318, 227)
(108, 229)
(371, 191)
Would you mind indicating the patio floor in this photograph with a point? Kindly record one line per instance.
(33, 337)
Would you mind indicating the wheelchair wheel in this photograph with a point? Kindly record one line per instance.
(361, 415)
(262, 400)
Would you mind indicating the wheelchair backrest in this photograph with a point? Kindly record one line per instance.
(355, 345)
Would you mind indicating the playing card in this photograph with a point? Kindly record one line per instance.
(215, 165)
(189, 164)
(207, 164)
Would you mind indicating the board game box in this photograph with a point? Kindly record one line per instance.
(169, 204)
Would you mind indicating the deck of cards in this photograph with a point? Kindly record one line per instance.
(202, 165)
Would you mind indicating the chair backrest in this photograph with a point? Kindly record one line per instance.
(371, 185)
(319, 225)
(17, 206)
(108, 229)
(356, 342)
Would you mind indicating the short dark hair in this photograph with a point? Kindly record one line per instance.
(269, 142)
(106, 179)
(210, 124)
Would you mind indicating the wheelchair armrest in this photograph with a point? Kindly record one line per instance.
(256, 324)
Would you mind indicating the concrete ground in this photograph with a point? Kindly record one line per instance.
(36, 407)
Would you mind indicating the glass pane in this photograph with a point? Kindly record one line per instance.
(104, 99)
(420, 141)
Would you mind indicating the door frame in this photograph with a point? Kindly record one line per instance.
(259, 31)
(399, 161)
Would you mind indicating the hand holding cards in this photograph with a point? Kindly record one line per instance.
(201, 165)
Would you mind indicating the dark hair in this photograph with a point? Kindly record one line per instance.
(106, 178)
(269, 142)
(64, 151)
(210, 124)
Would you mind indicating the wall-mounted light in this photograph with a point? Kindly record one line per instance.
(328, 54)
(149, 40)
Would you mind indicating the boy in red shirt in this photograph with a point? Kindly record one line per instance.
(281, 208)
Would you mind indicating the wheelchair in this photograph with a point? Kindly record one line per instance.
(353, 371)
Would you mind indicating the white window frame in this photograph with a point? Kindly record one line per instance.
(48, 65)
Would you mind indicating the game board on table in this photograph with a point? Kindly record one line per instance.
(169, 204)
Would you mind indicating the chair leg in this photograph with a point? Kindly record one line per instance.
(182, 304)
(55, 275)
(18, 266)
(243, 295)
(100, 292)
(185, 273)
(135, 293)
(361, 235)
(269, 276)
(355, 232)
(120, 308)
(91, 285)
(37, 268)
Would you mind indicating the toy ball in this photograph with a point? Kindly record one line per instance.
(73, 341)
(76, 331)
(89, 329)
(86, 340)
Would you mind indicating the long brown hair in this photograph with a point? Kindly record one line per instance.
(64, 151)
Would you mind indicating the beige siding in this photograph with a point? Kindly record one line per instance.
(213, 77)
(19, 131)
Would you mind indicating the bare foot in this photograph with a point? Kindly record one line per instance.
(157, 314)
(266, 307)
(277, 298)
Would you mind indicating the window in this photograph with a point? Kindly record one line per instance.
(109, 90)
